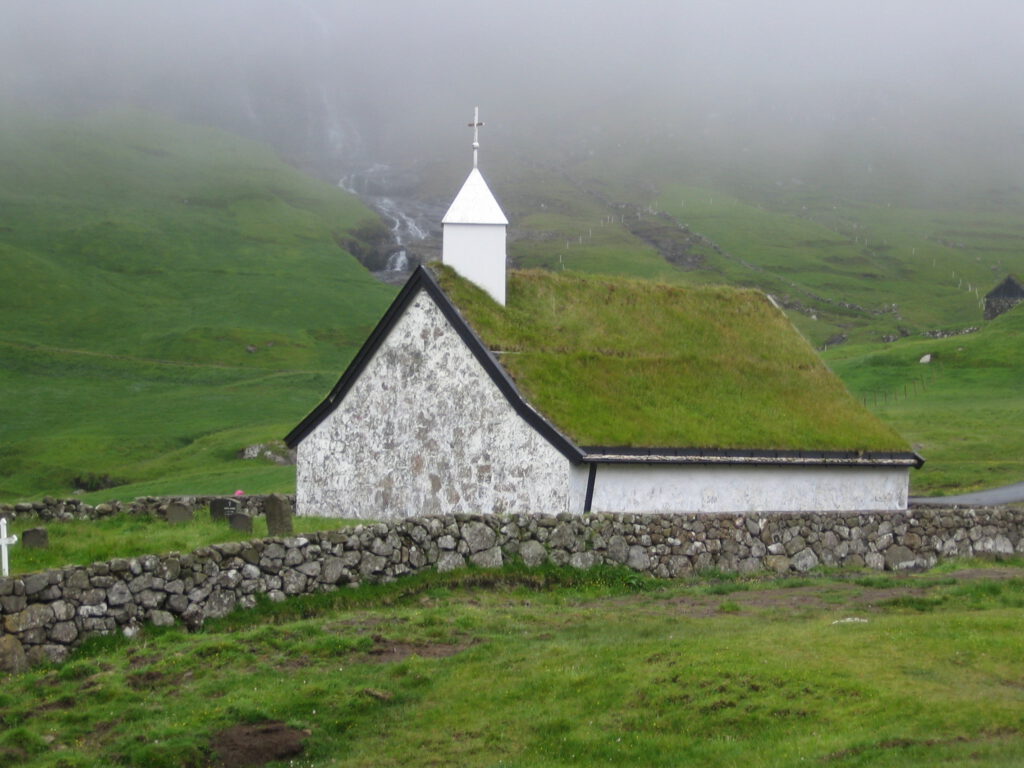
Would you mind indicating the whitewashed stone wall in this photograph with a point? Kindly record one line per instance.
(710, 489)
(425, 431)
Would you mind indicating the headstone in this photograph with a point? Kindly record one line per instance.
(239, 522)
(35, 538)
(278, 511)
(179, 513)
(221, 509)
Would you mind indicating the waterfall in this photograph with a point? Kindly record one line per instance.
(398, 261)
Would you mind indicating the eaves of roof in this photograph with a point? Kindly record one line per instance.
(630, 455)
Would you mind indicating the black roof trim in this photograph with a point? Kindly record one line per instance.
(423, 279)
(614, 454)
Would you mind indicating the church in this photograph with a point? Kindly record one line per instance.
(483, 390)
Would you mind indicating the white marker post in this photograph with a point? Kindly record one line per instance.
(5, 541)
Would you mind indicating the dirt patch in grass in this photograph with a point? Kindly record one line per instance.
(385, 651)
(896, 589)
(137, 659)
(147, 680)
(244, 745)
(892, 744)
(364, 623)
(995, 574)
(64, 702)
(12, 755)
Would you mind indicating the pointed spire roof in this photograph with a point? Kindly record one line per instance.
(474, 204)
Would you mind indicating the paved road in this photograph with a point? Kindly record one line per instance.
(1008, 494)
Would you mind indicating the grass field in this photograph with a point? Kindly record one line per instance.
(557, 668)
(958, 410)
(173, 294)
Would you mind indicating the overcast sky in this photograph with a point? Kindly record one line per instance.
(396, 78)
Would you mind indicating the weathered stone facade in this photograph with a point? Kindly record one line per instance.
(46, 614)
(1004, 297)
(424, 427)
(995, 307)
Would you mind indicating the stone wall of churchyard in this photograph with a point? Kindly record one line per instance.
(46, 614)
(74, 509)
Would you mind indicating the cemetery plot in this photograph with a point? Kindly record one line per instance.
(81, 542)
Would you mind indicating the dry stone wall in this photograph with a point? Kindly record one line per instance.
(51, 508)
(46, 614)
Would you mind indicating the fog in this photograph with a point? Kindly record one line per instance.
(931, 85)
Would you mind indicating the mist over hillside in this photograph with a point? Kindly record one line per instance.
(863, 163)
(922, 89)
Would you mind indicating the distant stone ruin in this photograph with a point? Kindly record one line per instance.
(1004, 297)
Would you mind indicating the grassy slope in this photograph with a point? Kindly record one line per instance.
(932, 265)
(604, 669)
(173, 294)
(644, 364)
(962, 411)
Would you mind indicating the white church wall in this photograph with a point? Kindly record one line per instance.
(425, 431)
(579, 474)
(477, 252)
(693, 488)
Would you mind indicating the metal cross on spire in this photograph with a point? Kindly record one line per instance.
(475, 125)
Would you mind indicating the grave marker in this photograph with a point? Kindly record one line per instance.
(278, 511)
(35, 538)
(222, 509)
(239, 522)
(179, 513)
(5, 541)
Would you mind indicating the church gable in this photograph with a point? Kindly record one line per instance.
(422, 427)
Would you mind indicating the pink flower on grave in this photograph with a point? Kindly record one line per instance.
(239, 492)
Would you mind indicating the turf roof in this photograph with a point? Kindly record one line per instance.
(618, 362)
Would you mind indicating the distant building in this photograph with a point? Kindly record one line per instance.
(1004, 297)
(483, 391)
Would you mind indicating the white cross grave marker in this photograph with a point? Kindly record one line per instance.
(5, 541)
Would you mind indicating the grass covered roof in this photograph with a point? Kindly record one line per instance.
(618, 362)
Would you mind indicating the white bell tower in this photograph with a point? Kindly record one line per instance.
(473, 230)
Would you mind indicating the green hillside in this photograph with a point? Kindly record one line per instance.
(962, 410)
(860, 261)
(172, 293)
